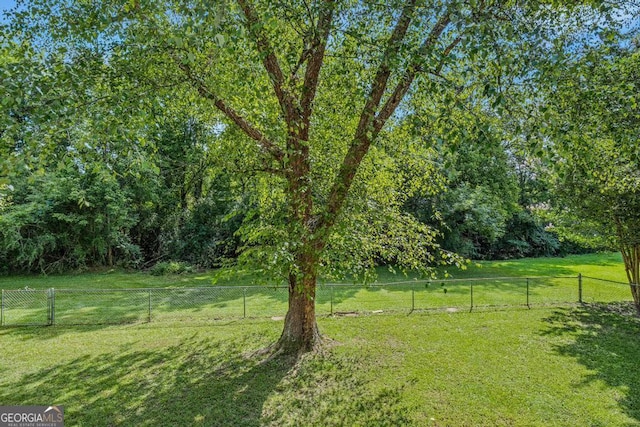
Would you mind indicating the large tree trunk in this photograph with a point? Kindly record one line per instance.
(300, 332)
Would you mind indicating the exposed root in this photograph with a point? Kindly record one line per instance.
(292, 352)
(629, 309)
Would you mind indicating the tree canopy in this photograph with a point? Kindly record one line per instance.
(322, 109)
(596, 154)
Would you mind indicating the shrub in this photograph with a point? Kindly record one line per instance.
(171, 267)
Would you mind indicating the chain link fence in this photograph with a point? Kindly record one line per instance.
(115, 306)
(26, 307)
(604, 291)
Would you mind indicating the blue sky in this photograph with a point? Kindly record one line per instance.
(4, 5)
(8, 4)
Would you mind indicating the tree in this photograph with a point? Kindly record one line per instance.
(63, 204)
(188, 202)
(311, 90)
(480, 194)
(56, 220)
(596, 155)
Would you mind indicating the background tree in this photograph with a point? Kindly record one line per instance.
(63, 205)
(596, 155)
(480, 189)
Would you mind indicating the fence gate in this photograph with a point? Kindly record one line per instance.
(27, 307)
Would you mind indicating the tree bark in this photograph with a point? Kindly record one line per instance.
(631, 257)
(300, 333)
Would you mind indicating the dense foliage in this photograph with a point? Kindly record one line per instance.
(302, 138)
(596, 154)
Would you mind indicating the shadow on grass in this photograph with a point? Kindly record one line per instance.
(604, 338)
(44, 333)
(211, 384)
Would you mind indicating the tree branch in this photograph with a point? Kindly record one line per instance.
(230, 113)
(384, 71)
(316, 59)
(363, 137)
(270, 61)
(410, 74)
(446, 53)
(263, 142)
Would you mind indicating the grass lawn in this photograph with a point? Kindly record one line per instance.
(548, 366)
(601, 265)
(542, 367)
(121, 297)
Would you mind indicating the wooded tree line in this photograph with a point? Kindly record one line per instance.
(94, 177)
(98, 203)
(316, 137)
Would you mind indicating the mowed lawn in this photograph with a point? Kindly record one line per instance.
(602, 265)
(119, 297)
(549, 366)
(541, 367)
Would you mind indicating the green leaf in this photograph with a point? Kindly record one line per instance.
(219, 38)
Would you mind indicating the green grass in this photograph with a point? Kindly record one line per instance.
(106, 279)
(542, 367)
(601, 265)
(121, 297)
(549, 366)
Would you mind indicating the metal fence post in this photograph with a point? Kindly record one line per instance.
(580, 288)
(528, 293)
(471, 309)
(413, 298)
(244, 302)
(331, 299)
(52, 306)
(149, 305)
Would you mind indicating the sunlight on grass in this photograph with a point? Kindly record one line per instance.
(602, 265)
(114, 297)
(543, 367)
(547, 366)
